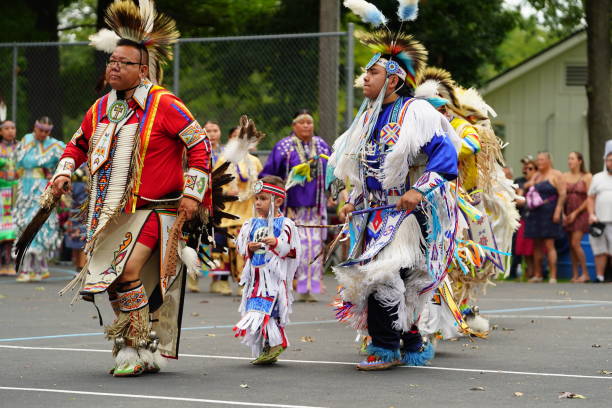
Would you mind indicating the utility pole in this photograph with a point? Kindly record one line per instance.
(329, 50)
(599, 87)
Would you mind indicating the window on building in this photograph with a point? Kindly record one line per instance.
(576, 75)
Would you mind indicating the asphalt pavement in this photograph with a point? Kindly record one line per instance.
(548, 339)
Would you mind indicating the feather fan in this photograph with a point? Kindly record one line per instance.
(248, 138)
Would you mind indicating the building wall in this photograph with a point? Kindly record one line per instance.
(538, 112)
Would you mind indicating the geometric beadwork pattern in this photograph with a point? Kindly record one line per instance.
(192, 134)
(133, 299)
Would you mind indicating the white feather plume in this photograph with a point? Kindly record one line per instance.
(190, 258)
(2, 111)
(428, 89)
(104, 40)
(408, 10)
(367, 11)
(360, 80)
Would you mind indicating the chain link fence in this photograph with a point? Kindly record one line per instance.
(267, 77)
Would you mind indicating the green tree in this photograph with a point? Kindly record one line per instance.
(567, 16)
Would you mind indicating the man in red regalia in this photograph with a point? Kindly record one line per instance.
(133, 140)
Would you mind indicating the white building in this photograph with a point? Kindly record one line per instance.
(541, 103)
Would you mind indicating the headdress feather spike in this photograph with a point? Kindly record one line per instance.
(408, 10)
(367, 11)
(142, 25)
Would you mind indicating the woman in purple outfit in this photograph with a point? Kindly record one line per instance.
(306, 202)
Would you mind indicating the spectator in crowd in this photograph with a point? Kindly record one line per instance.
(37, 155)
(575, 214)
(523, 247)
(245, 176)
(300, 159)
(8, 179)
(600, 214)
(545, 199)
(220, 273)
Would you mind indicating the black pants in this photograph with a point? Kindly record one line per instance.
(380, 328)
(380, 318)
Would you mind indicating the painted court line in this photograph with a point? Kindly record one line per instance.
(529, 309)
(221, 326)
(569, 300)
(207, 356)
(155, 397)
(566, 317)
(518, 309)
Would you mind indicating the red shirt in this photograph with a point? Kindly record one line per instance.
(167, 130)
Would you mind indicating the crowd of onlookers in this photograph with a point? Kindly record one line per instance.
(557, 210)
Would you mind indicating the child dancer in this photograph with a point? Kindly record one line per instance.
(271, 246)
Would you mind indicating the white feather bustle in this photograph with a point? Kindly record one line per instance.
(127, 356)
(478, 324)
(104, 40)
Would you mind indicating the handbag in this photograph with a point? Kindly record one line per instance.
(535, 200)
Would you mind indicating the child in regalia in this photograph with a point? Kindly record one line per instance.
(271, 246)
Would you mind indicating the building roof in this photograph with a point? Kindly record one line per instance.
(534, 61)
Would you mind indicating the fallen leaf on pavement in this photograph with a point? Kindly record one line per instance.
(596, 346)
(495, 327)
(39, 288)
(307, 339)
(570, 395)
(195, 314)
(244, 385)
(203, 301)
(211, 335)
(518, 394)
(605, 372)
(507, 329)
(477, 389)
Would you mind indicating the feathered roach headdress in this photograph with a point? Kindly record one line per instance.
(144, 27)
(472, 106)
(400, 54)
(437, 86)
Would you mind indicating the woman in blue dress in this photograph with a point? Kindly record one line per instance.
(36, 157)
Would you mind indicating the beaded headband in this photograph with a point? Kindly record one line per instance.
(302, 117)
(261, 187)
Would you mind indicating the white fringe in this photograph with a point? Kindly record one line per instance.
(148, 357)
(419, 125)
